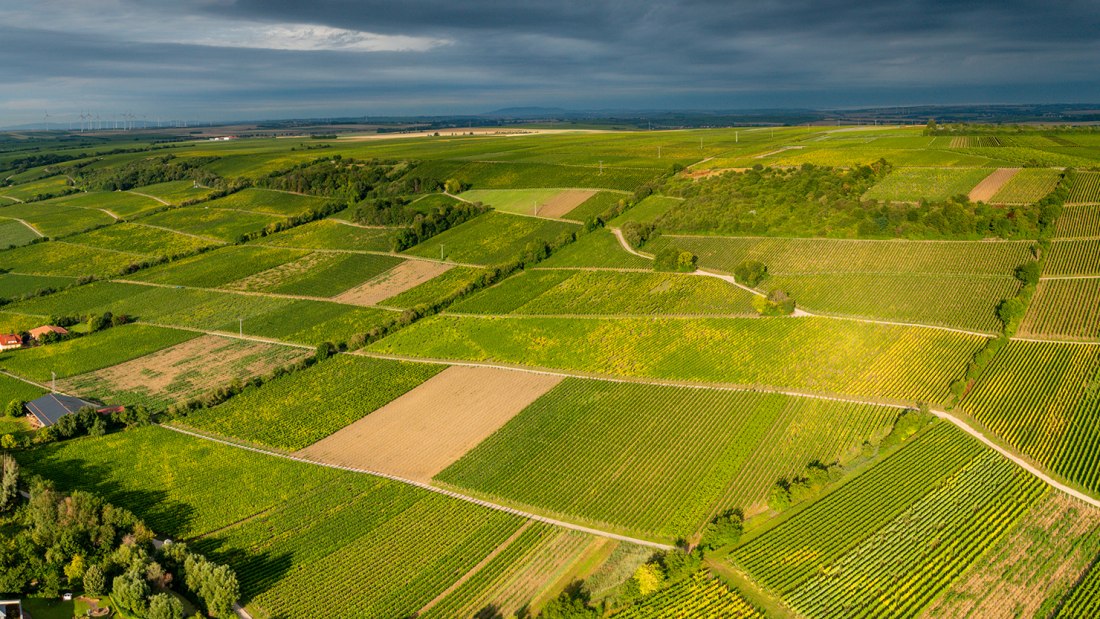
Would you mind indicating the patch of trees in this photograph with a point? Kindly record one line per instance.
(82, 543)
(150, 171)
(426, 225)
(750, 272)
(352, 180)
(777, 303)
(638, 234)
(671, 259)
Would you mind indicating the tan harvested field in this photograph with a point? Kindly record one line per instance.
(421, 433)
(564, 202)
(991, 184)
(407, 275)
(1042, 557)
(183, 371)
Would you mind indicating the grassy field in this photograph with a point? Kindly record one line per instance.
(516, 175)
(690, 451)
(608, 292)
(330, 234)
(646, 211)
(871, 545)
(91, 352)
(816, 354)
(519, 201)
(594, 206)
(492, 238)
(1041, 398)
(15, 389)
(32, 190)
(300, 409)
(66, 260)
(1066, 309)
(915, 184)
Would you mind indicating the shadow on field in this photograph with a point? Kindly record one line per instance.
(256, 571)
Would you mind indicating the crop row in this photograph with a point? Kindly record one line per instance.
(219, 267)
(689, 449)
(1027, 186)
(1040, 398)
(318, 274)
(515, 175)
(700, 595)
(818, 354)
(222, 224)
(809, 256)
(914, 184)
(1084, 599)
(492, 238)
(597, 249)
(609, 292)
(1064, 309)
(330, 234)
(1080, 257)
(299, 409)
(1079, 221)
(1085, 189)
(787, 556)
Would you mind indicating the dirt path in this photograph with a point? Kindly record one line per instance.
(474, 570)
(28, 225)
(145, 195)
(991, 184)
(776, 152)
(355, 225)
(16, 200)
(431, 488)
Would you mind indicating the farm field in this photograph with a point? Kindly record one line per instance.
(691, 451)
(1031, 568)
(597, 249)
(182, 372)
(1040, 397)
(284, 413)
(91, 352)
(477, 426)
(331, 234)
(913, 184)
(1028, 185)
(608, 292)
(16, 233)
(1067, 309)
(426, 429)
(893, 363)
(1085, 189)
(963, 493)
(492, 238)
(124, 205)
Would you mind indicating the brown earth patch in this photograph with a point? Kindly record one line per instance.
(564, 202)
(407, 275)
(421, 433)
(187, 369)
(991, 184)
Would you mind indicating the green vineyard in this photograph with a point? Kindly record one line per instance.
(1079, 221)
(701, 595)
(1085, 189)
(1064, 309)
(1080, 257)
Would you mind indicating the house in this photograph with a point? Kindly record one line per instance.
(46, 410)
(8, 341)
(11, 609)
(38, 332)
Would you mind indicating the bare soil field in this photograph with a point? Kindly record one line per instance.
(183, 371)
(564, 202)
(421, 433)
(408, 274)
(1044, 555)
(991, 184)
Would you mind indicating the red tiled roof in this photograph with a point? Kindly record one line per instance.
(7, 339)
(44, 329)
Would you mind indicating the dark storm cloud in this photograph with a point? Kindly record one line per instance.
(223, 59)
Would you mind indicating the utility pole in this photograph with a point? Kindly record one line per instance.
(601, 167)
(658, 152)
(240, 325)
(441, 258)
(53, 382)
(736, 137)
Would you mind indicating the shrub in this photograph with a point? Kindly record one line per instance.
(750, 272)
(723, 530)
(777, 303)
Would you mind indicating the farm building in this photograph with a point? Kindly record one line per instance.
(9, 341)
(46, 410)
(11, 609)
(38, 332)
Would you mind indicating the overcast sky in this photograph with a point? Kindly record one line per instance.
(252, 59)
